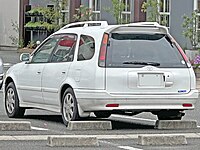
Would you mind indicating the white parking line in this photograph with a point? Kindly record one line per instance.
(117, 145)
(39, 129)
(7, 64)
(129, 148)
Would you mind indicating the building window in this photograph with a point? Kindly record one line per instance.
(65, 16)
(198, 21)
(164, 11)
(126, 14)
(65, 13)
(94, 5)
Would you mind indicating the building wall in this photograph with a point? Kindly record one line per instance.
(9, 11)
(138, 16)
(43, 3)
(178, 9)
(106, 15)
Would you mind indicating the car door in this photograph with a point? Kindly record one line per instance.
(29, 78)
(56, 71)
(83, 70)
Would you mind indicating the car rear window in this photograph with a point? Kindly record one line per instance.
(137, 50)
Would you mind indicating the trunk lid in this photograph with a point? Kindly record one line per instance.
(145, 63)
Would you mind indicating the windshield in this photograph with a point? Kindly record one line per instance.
(138, 50)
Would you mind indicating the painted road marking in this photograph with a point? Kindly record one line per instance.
(129, 148)
(7, 64)
(39, 129)
(121, 147)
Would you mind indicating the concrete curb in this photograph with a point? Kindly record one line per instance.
(72, 141)
(89, 125)
(176, 124)
(15, 126)
(99, 137)
(158, 140)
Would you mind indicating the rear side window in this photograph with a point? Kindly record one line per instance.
(138, 50)
(86, 48)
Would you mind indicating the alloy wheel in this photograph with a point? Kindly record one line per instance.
(10, 100)
(68, 106)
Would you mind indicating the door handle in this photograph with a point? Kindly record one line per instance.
(63, 72)
(38, 72)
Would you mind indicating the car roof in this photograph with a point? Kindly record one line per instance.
(99, 27)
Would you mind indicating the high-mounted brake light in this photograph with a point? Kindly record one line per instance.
(103, 50)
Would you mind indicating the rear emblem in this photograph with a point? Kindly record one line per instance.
(149, 68)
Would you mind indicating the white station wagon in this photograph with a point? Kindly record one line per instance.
(106, 69)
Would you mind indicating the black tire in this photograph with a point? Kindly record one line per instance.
(170, 115)
(12, 102)
(101, 114)
(69, 107)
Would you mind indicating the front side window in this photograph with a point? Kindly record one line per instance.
(43, 54)
(129, 50)
(86, 48)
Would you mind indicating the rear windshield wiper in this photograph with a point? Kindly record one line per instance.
(142, 63)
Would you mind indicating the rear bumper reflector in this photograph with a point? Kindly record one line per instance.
(112, 105)
(187, 105)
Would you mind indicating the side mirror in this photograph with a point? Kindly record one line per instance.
(25, 57)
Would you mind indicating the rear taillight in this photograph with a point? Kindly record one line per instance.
(103, 50)
(182, 53)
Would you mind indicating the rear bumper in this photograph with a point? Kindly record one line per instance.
(96, 100)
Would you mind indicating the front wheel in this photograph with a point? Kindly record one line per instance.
(69, 107)
(12, 107)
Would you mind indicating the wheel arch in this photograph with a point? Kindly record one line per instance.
(7, 81)
(80, 110)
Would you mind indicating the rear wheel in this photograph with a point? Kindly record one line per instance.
(170, 115)
(12, 107)
(101, 114)
(69, 107)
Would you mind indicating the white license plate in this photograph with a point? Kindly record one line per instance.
(150, 80)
